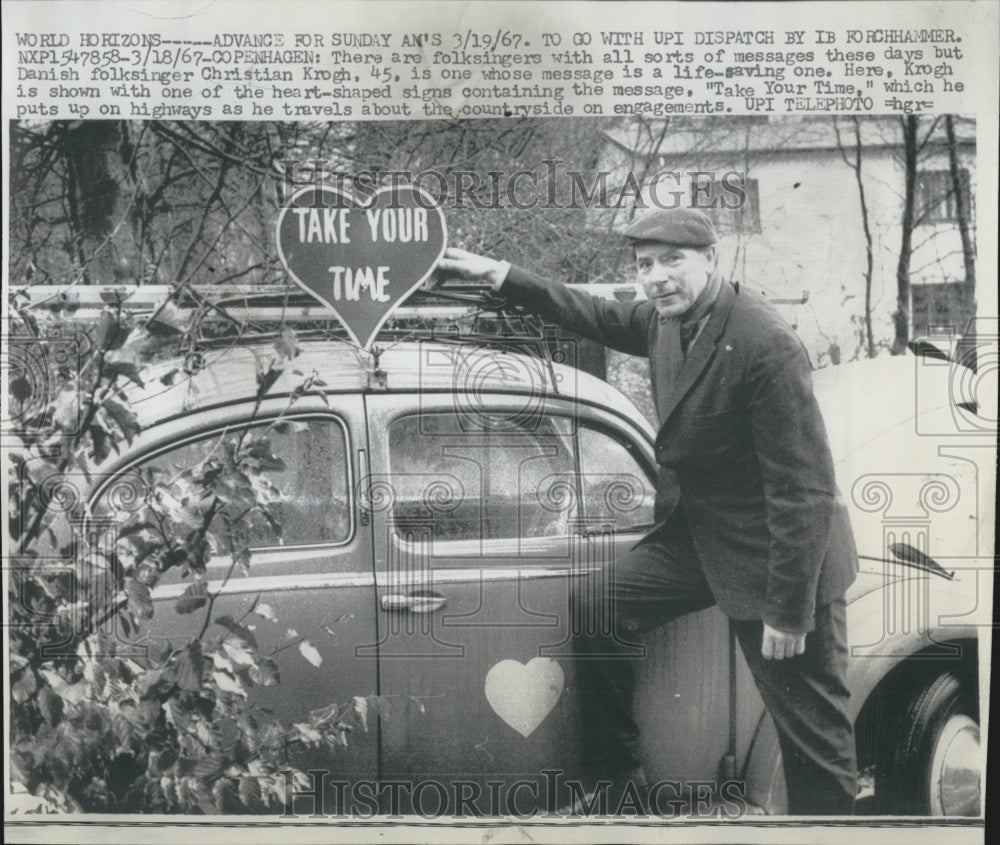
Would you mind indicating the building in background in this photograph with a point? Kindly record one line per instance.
(800, 231)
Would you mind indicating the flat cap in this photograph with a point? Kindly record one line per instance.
(677, 226)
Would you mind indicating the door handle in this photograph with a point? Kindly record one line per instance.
(416, 602)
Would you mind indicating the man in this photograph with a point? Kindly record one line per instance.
(747, 513)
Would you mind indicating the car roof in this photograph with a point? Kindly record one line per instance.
(228, 375)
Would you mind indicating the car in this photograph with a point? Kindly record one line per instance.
(436, 498)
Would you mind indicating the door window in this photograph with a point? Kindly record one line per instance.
(470, 480)
(286, 481)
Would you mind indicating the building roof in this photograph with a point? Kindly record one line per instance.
(767, 133)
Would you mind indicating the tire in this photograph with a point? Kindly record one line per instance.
(930, 765)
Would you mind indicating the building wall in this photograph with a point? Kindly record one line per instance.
(811, 240)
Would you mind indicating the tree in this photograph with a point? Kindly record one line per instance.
(102, 202)
(901, 316)
(960, 191)
(856, 166)
(95, 726)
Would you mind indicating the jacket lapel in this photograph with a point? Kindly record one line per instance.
(702, 351)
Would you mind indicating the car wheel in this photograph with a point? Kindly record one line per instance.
(931, 766)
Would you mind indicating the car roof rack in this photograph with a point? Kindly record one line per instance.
(456, 312)
(454, 309)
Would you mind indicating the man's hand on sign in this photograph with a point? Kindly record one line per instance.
(468, 265)
(778, 645)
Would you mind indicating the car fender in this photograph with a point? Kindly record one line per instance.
(876, 648)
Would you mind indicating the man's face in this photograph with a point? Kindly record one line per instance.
(673, 276)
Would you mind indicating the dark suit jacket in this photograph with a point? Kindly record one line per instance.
(742, 448)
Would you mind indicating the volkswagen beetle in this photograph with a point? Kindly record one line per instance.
(434, 501)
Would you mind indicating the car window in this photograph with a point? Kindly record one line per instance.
(616, 489)
(465, 478)
(306, 489)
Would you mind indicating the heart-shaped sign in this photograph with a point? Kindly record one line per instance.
(361, 257)
(523, 694)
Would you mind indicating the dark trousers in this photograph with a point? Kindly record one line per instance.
(806, 695)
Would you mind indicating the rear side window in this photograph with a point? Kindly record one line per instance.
(616, 490)
(300, 470)
(462, 479)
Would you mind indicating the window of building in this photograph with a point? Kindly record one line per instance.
(934, 306)
(937, 199)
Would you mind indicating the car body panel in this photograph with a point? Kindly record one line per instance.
(320, 594)
(507, 600)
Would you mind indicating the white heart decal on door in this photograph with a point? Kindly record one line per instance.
(523, 694)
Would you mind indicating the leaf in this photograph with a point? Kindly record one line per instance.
(102, 441)
(227, 683)
(309, 652)
(123, 418)
(382, 706)
(107, 325)
(178, 555)
(160, 328)
(189, 668)
(249, 792)
(286, 344)
(124, 730)
(224, 792)
(66, 410)
(265, 673)
(195, 596)
(94, 672)
(208, 733)
(24, 687)
(361, 711)
(308, 734)
(124, 368)
(50, 705)
(221, 662)
(75, 693)
(240, 653)
(265, 611)
(139, 600)
(133, 527)
(154, 683)
(235, 628)
(266, 381)
(242, 559)
(167, 758)
(67, 744)
(209, 765)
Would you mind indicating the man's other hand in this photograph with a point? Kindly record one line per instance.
(778, 645)
(468, 265)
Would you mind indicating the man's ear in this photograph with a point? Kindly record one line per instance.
(712, 255)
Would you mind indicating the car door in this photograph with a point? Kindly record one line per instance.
(482, 518)
(306, 594)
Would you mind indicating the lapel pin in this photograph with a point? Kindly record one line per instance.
(729, 348)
